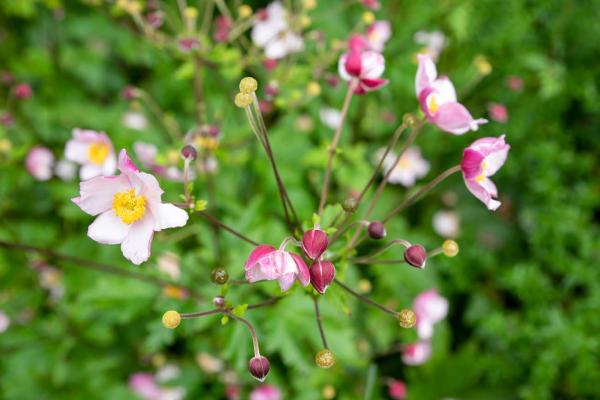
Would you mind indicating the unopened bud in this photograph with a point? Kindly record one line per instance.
(416, 255)
(409, 120)
(350, 204)
(189, 152)
(219, 276)
(248, 85)
(321, 275)
(376, 230)
(450, 248)
(171, 319)
(219, 301)
(325, 358)
(314, 243)
(245, 11)
(259, 367)
(407, 318)
(242, 100)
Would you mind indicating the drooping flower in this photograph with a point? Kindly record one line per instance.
(366, 66)
(39, 162)
(446, 223)
(430, 308)
(416, 353)
(94, 151)
(437, 97)
(267, 263)
(410, 167)
(433, 42)
(378, 33)
(266, 392)
(498, 112)
(129, 210)
(272, 32)
(482, 159)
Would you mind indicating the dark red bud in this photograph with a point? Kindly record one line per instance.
(259, 367)
(376, 230)
(321, 275)
(314, 243)
(219, 301)
(189, 152)
(416, 255)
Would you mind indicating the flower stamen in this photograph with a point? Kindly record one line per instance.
(128, 206)
(98, 152)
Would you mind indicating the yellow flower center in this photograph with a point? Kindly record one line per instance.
(481, 177)
(97, 152)
(128, 206)
(433, 104)
(403, 163)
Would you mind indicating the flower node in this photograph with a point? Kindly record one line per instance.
(219, 276)
(325, 358)
(171, 319)
(407, 318)
(409, 120)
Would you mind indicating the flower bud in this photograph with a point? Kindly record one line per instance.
(219, 301)
(219, 276)
(244, 11)
(242, 100)
(416, 255)
(313, 89)
(350, 204)
(259, 367)
(321, 275)
(407, 318)
(376, 230)
(314, 243)
(409, 120)
(450, 248)
(368, 17)
(171, 319)
(189, 152)
(325, 358)
(248, 85)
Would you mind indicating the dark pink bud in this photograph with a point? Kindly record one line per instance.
(270, 64)
(376, 230)
(219, 301)
(259, 367)
(187, 44)
(314, 243)
(155, 19)
(271, 90)
(262, 14)
(266, 107)
(189, 152)
(354, 63)
(22, 91)
(213, 131)
(129, 92)
(416, 256)
(321, 275)
(7, 119)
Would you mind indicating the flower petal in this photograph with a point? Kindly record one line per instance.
(108, 228)
(373, 65)
(136, 245)
(426, 73)
(96, 194)
(89, 171)
(303, 274)
(169, 216)
(286, 281)
(259, 252)
(455, 118)
(471, 163)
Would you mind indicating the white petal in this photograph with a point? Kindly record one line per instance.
(342, 67)
(494, 161)
(373, 65)
(137, 243)
(490, 187)
(170, 216)
(110, 165)
(96, 194)
(286, 281)
(77, 151)
(446, 93)
(89, 171)
(108, 228)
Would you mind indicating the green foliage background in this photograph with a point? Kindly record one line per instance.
(524, 291)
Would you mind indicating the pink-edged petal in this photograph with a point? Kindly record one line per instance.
(125, 164)
(374, 84)
(303, 274)
(489, 187)
(169, 216)
(342, 67)
(96, 194)
(286, 281)
(373, 65)
(426, 73)
(444, 89)
(136, 245)
(108, 228)
(455, 118)
(255, 273)
(494, 161)
(471, 163)
(77, 151)
(147, 185)
(259, 252)
(482, 194)
(354, 63)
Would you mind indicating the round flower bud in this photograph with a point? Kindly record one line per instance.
(350, 205)
(407, 318)
(171, 319)
(219, 276)
(328, 392)
(189, 152)
(305, 21)
(313, 89)
(314, 243)
(245, 11)
(259, 367)
(242, 100)
(191, 12)
(409, 120)
(325, 358)
(376, 230)
(450, 248)
(219, 301)
(248, 85)
(368, 17)
(321, 275)
(416, 255)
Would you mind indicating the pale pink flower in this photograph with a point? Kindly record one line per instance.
(168, 263)
(515, 83)
(498, 112)
(94, 151)
(331, 117)
(266, 392)
(144, 385)
(437, 97)
(272, 32)
(135, 120)
(4, 321)
(378, 33)
(430, 308)
(39, 163)
(482, 159)
(65, 170)
(267, 263)
(129, 210)
(147, 153)
(410, 167)
(446, 223)
(366, 66)
(416, 353)
(396, 389)
(433, 42)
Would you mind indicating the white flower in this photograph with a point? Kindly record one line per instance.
(65, 170)
(434, 42)
(408, 169)
(446, 223)
(135, 120)
(94, 151)
(331, 117)
(272, 32)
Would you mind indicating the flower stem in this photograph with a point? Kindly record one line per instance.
(320, 322)
(369, 258)
(366, 299)
(216, 222)
(250, 328)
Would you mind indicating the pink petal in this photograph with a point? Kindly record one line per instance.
(354, 63)
(373, 84)
(108, 228)
(96, 194)
(482, 194)
(286, 281)
(373, 65)
(444, 89)
(125, 164)
(259, 252)
(137, 243)
(169, 216)
(426, 73)
(303, 274)
(455, 118)
(89, 171)
(471, 163)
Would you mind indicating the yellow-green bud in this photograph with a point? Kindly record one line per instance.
(191, 12)
(309, 4)
(368, 17)
(242, 100)
(245, 11)
(325, 358)
(171, 319)
(409, 120)
(248, 85)
(450, 248)
(407, 318)
(313, 89)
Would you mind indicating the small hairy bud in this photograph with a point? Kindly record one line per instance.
(450, 248)
(416, 255)
(219, 301)
(376, 230)
(407, 318)
(189, 152)
(171, 319)
(409, 120)
(219, 276)
(314, 243)
(259, 367)
(242, 100)
(325, 358)
(350, 205)
(248, 85)
(321, 275)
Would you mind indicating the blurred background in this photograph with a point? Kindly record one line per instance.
(523, 293)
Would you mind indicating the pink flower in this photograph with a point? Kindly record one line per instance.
(273, 33)
(410, 167)
(129, 210)
(94, 151)
(378, 33)
(232, 392)
(437, 97)
(429, 308)
(22, 91)
(155, 19)
(147, 153)
(39, 162)
(416, 353)
(372, 4)
(515, 83)
(222, 28)
(144, 385)
(187, 44)
(267, 263)
(366, 66)
(396, 389)
(498, 112)
(7, 119)
(482, 159)
(266, 392)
